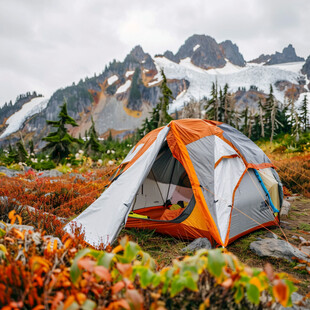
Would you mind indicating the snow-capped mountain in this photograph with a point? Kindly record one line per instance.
(16, 120)
(124, 94)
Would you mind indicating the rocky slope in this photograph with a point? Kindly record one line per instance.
(121, 97)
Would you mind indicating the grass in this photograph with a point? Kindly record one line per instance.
(165, 248)
(304, 226)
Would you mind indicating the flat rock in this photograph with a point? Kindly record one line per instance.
(277, 248)
(50, 174)
(286, 206)
(197, 244)
(9, 172)
(305, 249)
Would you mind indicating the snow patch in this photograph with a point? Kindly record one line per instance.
(200, 80)
(124, 87)
(129, 73)
(157, 78)
(290, 66)
(112, 79)
(16, 121)
(196, 47)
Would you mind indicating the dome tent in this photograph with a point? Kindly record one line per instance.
(192, 178)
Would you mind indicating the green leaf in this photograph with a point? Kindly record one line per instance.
(131, 250)
(239, 294)
(88, 305)
(216, 262)
(177, 285)
(146, 275)
(252, 293)
(105, 259)
(166, 279)
(2, 233)
(190, 283)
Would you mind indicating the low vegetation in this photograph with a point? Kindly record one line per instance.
(38, 273)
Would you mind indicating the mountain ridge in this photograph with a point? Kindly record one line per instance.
(124, 94)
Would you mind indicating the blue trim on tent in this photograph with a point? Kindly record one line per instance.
(274, 209)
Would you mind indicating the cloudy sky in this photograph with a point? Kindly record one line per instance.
(48, 44)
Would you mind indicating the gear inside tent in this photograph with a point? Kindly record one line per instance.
(192, 178)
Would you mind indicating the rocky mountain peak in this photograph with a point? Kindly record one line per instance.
(288, 55)
(138, 56)
(138, 53)
(232, 53)
(206, 53)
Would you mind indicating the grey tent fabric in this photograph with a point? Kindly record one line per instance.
(201, 153)
(250, 199)
(249, 150)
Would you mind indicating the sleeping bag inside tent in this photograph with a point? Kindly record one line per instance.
(192, 178)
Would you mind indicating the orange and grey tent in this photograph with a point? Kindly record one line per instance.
(192, 178)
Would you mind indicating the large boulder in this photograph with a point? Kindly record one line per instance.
(277, 248)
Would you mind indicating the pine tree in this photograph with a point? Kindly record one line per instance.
(164, 101)
(12, 155)
(212, 104)
(31, 146)
(21, 152)
(92, 144)
(60, 141)
(245, 117)
(304, 113)
(268, 110)
(261, 118)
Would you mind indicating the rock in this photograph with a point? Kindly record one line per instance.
(9, 172)
(302, 239)
(306, 68)
(50, 238)
(305, 249)
(286, 206)
(288, 55)
(200, 243)
(232, 53)
(295, 237)
(271, 235)
(291, 198)
(277, 248)
(295, 299)
(50, 174)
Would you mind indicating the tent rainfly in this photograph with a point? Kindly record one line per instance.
(192, 178)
